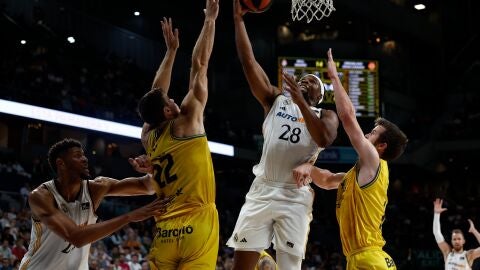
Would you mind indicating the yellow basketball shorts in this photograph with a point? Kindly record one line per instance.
(187, 242)
(372, 259)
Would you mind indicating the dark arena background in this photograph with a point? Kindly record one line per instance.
(96, 58)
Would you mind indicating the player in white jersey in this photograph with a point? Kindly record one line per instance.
(275, 209)
(63, 210)
(456, 258)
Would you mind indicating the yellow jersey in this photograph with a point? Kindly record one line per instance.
(182, 169)
(361, 210)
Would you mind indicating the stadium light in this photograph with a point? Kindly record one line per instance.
(85, 122)
(419, 6)
(71, 39)
(23, 42)
(136, 13)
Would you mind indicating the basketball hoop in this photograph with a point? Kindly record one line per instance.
(310, 9)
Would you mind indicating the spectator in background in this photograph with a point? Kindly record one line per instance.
(134, 263)
(122, 263)
(6, 251)
(19, 249)
(454, 255)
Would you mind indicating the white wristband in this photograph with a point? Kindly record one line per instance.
(437, 232)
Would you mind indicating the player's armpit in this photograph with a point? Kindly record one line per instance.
(473, 254)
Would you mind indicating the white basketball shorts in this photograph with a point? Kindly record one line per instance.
(274, 213)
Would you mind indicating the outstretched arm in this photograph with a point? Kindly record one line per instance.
(307, 173)
(163, 76)
(473, 230)
(474, 253)
(164, 73)
(131, 186)
(437, 232)
(258, 81)
(44, 208)
(196, 98)
(368, 155)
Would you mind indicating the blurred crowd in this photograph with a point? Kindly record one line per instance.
(407, 229)
(72, 79)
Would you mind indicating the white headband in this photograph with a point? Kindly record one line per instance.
(322, 88)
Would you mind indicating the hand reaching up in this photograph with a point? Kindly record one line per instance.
(171, 36)
(437, 206)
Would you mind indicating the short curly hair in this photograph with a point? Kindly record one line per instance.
(150, 107)
(59, 149)
(395, 138)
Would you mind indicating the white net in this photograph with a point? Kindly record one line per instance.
(311, 9)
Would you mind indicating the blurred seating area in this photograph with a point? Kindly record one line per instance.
(407, 229)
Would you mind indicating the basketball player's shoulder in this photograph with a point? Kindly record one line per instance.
(41, 201)
(40, 192)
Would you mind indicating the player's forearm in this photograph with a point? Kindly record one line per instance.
(90, 233)
(326, 179)
(164, 73)
(203, 47)
(242, 42)
(437, 232)
(131, 186)
(345, 109)
(476, 234)
(320, 133)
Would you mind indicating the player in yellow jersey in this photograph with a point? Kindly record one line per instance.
(362, 191)
(174, 137)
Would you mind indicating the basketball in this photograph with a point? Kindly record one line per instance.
(256, 6)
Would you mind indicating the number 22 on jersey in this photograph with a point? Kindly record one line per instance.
(161, 167)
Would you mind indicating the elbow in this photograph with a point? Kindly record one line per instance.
(78, 242)
(327, 138)
(347, 115)
(198, 64)
(76, 238)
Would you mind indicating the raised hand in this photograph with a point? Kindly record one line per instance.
(437, 206)
(472, 228)
(301, 174)
(331, 65)
(211, 9)
(293, 88)
(169, 35)
(237, 9)
(156, 208)
(141, 164)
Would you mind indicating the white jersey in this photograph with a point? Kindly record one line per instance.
(457, 261)
(287, 142)
(47, 250)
